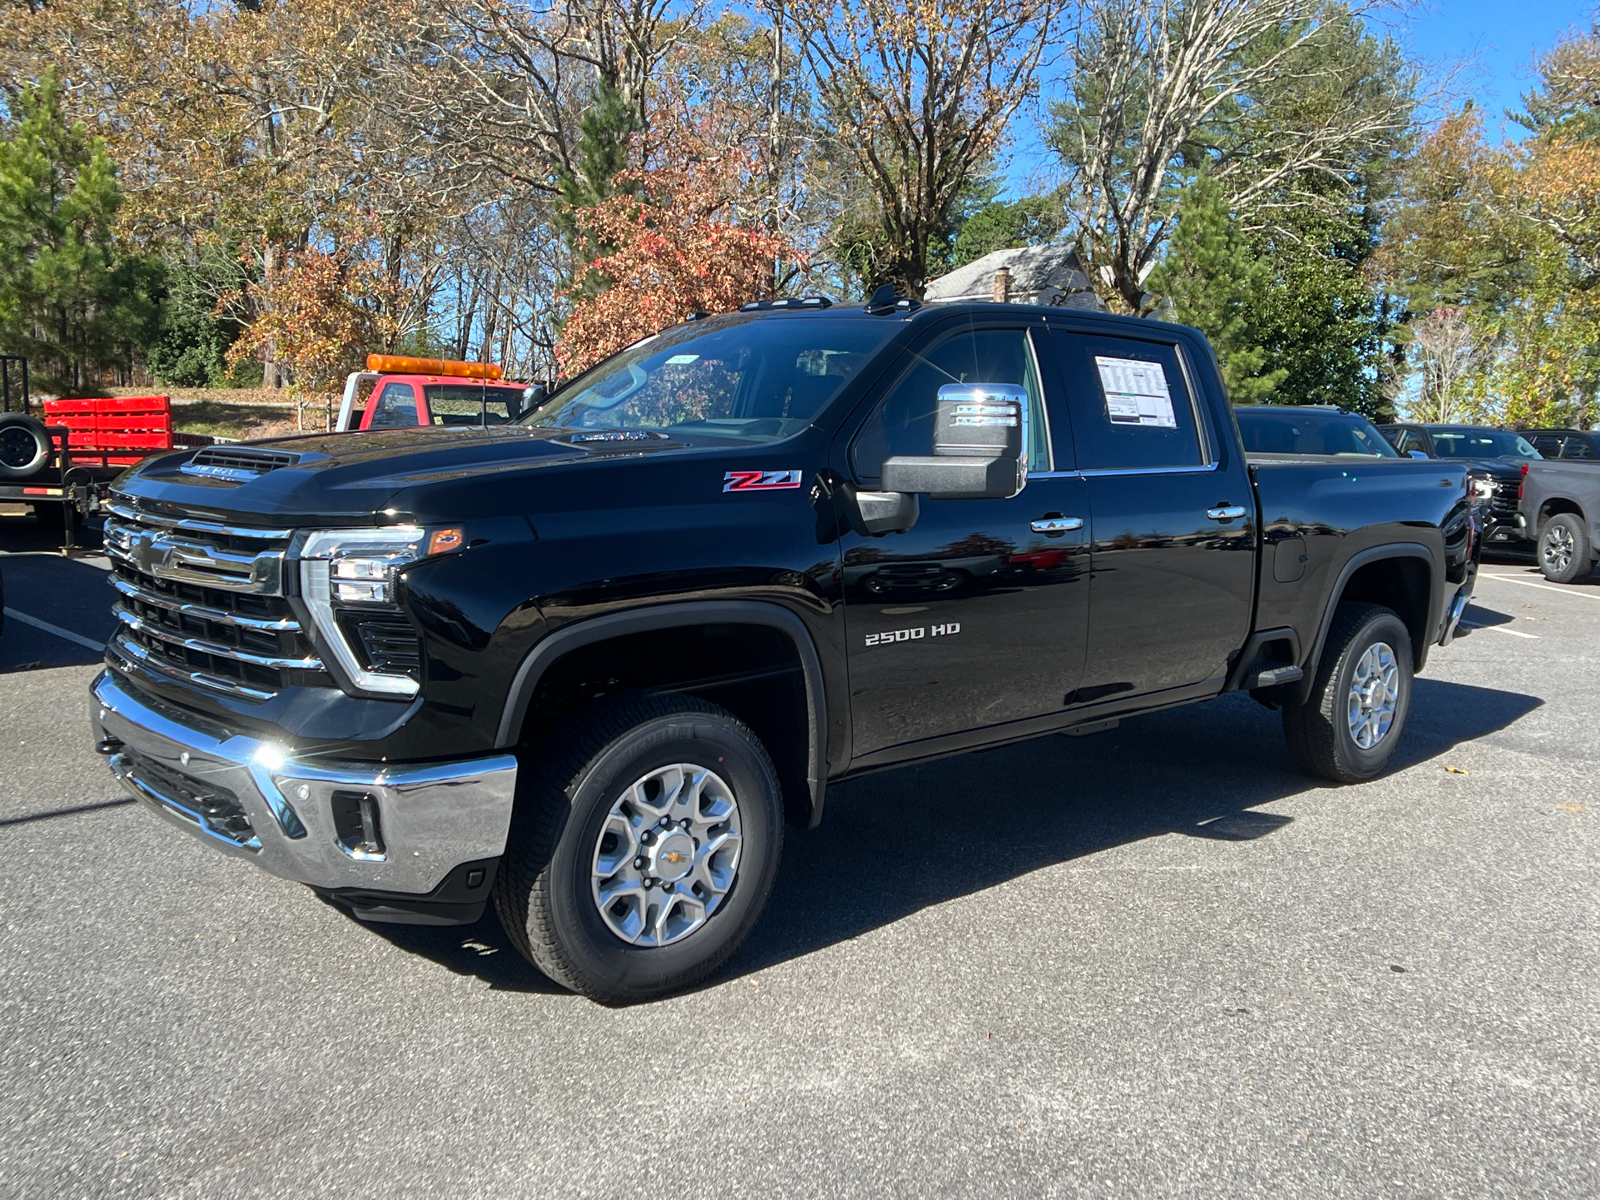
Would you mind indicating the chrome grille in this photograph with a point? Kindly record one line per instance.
(202, 602)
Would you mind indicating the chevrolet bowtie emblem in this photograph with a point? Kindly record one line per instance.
(672, 856)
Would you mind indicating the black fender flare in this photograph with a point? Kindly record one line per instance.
(647, 619)
(1354, 564)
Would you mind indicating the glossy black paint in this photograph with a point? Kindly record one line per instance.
(1145, 606)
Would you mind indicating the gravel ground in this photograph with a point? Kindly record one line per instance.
(1151, 962)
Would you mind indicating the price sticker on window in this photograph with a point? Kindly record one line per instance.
(1136, 393)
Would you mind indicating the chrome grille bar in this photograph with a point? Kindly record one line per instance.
(130, 651)
(201, 646)
(195, 525)
(203, 611)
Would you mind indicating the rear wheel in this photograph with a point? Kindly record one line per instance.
(1564, 551)
(1351, 724)
(644, 845)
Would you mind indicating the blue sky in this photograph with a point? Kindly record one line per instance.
(1482, 49)
(1493, 42)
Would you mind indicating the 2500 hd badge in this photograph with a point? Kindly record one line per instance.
(913, 635)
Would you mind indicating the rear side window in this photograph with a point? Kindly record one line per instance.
(1407, 440)
(1130, 407)
(1574, 447)
(395, 407)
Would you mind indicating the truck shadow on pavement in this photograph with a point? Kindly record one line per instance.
(894, 843)
(67, 592)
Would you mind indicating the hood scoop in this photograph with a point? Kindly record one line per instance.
(237, 464)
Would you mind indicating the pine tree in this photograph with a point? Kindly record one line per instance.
(1211, 280)
(70, 299)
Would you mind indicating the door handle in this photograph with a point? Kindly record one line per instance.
(1226, 512)
(1057, 524)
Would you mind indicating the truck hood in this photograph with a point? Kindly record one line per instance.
(302, 480)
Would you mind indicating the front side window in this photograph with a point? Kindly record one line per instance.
(748, 377)
(395, 407)
(903, 423)
(1131, 409)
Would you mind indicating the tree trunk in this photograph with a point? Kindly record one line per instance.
(269, 353)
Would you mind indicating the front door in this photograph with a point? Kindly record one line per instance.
(1173, 519)
(978, 615)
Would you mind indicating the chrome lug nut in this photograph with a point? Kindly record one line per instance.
(639, 862)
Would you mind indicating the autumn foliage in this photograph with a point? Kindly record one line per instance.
(320, 316)
(674, 248)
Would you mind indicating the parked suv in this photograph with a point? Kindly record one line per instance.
(1492, 455)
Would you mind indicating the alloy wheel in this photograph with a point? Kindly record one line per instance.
(667, 855)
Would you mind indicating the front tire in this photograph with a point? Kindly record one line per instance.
(1565, 554)
(1350, 726)
(643, 847)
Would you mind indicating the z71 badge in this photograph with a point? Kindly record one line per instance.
(760, 481)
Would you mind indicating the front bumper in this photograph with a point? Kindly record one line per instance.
(293, 818)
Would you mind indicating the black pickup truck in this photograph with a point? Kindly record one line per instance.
(589, 664)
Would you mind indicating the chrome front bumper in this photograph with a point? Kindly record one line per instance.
(254, 800)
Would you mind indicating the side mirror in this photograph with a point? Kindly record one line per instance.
(1417, 454)
(532, 397)
(980, 446)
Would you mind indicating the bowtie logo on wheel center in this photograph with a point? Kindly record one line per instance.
(672, 856)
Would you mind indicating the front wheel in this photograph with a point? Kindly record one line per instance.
(1564, 550)
(1351, 724)
(643, 848)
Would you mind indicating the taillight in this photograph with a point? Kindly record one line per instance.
(1523, 482)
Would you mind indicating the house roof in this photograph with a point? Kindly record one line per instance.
(1049, 275)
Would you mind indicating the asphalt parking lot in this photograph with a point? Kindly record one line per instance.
(1150, 962)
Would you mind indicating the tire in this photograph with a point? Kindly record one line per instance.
(1319, 732)
(1565, 554)
(24, 446)
(600, 773)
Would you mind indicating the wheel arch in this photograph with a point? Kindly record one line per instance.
(595, 632)
(1552, 506)
(1403, 576)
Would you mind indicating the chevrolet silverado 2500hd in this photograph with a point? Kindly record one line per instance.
(588, 664)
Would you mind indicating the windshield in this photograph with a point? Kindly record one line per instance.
(748, 377)
(1310, 431)
(1481, 443)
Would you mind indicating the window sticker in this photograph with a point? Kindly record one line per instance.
(1136, 393)
(681, 360)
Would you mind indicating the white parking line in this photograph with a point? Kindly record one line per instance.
(1581, 593)
(1501, 629)
(86, 643)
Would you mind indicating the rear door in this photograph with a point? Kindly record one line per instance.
(1174, 537)
(978, 615)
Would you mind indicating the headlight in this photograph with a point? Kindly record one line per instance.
(347, 579)
(1482, 488)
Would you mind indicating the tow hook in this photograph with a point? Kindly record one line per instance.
(108, 746)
